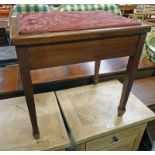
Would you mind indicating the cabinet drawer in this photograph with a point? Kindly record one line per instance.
(117, 137)
(124, 145)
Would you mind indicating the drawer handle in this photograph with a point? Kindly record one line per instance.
(114, 139)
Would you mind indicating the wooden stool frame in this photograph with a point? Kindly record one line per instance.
(35, 51)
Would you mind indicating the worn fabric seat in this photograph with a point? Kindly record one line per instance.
(70, 21)
(91, 7)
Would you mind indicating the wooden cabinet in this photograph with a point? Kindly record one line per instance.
(124, 145)
(91, 114)
(15, 127)
(124, 140)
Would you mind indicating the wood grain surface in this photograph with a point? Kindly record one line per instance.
(16, 128)
(91, 111)
(81, 51)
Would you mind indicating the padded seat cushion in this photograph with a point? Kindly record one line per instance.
(70, 21)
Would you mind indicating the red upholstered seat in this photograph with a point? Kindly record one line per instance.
(68, 21)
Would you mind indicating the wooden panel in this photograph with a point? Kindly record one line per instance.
(70, 53)
(145, 90)
(128, 139)
(124, 145)
(99, 143)
(139, 137)
(16, 130)
(9, 79)
(96, 106)
(81, 147)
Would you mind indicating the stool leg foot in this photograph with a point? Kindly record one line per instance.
(36, 135)
(121, 111)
